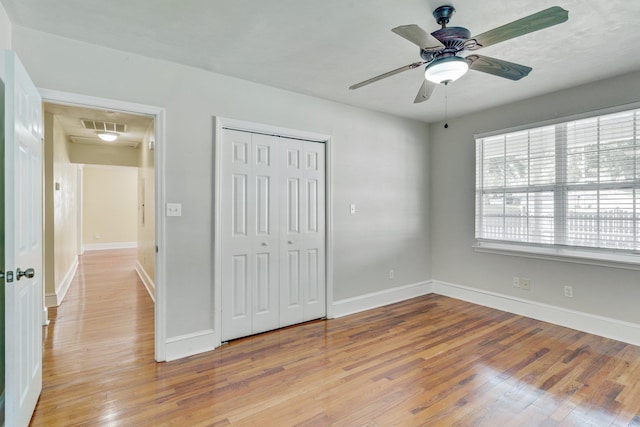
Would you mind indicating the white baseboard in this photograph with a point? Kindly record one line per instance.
(54, 300)
(190, 344)
(51, 300)
(581, 321)
(378, 299)
(598, 325)
(113, 245)
(146, 281)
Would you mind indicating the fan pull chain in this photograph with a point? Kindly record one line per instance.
(446, 106)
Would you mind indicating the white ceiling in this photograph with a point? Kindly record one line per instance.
(322, 47)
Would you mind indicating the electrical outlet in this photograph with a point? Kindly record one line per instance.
(391, 274)
(352, 208)
(516, 282)
(568, 291)
(525, 284)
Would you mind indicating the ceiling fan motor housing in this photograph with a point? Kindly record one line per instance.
(454, 40)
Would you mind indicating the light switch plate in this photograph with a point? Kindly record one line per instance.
(174, 209)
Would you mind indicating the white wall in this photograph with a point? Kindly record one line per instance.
(109, 205)
(5, 29)
(379, 163)
(602, 291)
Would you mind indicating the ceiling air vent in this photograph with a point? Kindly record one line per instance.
(103, 126)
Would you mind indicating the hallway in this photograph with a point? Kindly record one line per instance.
(102, 331)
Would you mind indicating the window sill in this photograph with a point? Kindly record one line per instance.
(564, 254)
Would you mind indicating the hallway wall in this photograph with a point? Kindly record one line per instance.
(60, 212)
(109, 204)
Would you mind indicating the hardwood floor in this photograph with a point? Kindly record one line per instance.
(431, 361)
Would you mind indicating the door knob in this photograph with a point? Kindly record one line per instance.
(265, 244)
(290, 242)
(28, 273)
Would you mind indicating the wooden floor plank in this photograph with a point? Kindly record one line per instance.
(431, 361)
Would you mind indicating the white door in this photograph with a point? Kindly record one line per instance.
(273, 241)
(314, 290)
(250, 240)
(23, 240)
(302, 247)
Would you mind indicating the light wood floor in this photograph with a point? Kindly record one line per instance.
(431, 361)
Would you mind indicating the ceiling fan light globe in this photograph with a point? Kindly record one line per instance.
(446, 70)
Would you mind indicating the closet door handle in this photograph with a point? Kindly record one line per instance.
(290, 242)
(264, 244)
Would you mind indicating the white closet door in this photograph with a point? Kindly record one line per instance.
(292, 216)
(250, 300)
(313, 231)
(273, 233)
(266, 311)
(302, 243)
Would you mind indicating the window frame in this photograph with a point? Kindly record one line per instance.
(608, 257)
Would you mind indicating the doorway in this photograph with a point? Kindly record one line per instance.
(141, 149)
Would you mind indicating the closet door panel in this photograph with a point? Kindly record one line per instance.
(240, 288)
(291, 223)
(237, 231)
(266, 292)
(313, 232)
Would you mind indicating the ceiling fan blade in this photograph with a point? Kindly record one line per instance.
(498, 67)
(425, 91)
(418, 36)
(387, 74)
(543, 19)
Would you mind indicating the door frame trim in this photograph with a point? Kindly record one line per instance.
(87, 101)
(221, 123)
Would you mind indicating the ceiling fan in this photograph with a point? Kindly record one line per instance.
(441, 50)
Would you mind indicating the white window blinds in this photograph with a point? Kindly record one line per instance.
(574, 184)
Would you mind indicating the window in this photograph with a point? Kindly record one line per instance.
(571, 184)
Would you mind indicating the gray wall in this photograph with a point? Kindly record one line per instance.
(5, 29)
(379, 163)
(603, 291)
